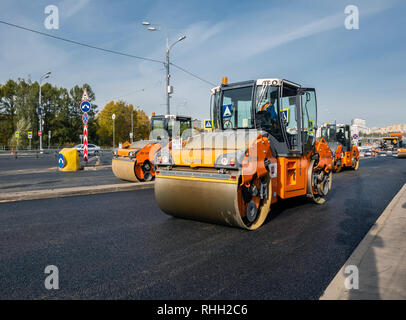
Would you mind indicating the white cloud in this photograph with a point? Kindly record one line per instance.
(68, 8)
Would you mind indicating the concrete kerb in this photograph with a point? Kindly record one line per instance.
(52, 169)
(75, 191)
(336, 289)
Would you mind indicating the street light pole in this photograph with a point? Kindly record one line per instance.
(45, 76)
(132, 125)
(114, 130)
(169, 89)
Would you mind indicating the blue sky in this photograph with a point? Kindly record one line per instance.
(357, 73)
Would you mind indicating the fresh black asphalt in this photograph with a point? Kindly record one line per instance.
(120, 245)
(20, 174)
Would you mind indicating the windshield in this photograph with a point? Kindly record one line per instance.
(236, 108)
(158, 124)
(329, 133)
(177, 127)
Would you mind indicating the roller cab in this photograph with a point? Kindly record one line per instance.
(345, 153)
(135, 162)
(263, 149)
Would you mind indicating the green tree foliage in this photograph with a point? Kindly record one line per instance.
(23, 126)
(123, 111)
(62, 115)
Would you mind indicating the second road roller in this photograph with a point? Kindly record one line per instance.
(345, 153)
(263, 148)
(134, 162)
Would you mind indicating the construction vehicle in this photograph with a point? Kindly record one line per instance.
(401, 152)
(263, 148)
(345, 153)
(391, 144)
(395, 144)
(134, 162)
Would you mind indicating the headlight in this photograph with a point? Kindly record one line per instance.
(132, 154)
(163, 158)
(230, 160)
(224, 161)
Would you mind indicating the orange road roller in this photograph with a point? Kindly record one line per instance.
(263, 148)
(134, 162)
(393, 145)
(401, 153)
(345, 153)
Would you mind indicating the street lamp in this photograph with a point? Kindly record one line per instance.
(45, 76)
(158, 27)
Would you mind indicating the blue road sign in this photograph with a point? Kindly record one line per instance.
(85, 118)
(85, 106)
(61, 161)
(208, 124)
(227, 110)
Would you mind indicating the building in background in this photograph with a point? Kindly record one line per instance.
(389, 129)
(359, 126)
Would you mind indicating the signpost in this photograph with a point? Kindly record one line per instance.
(85, 107)
(17, 136)
(49, 138)
(30, 137)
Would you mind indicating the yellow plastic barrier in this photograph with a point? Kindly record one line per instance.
(68, 160)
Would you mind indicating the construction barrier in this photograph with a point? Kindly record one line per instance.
(68, 160)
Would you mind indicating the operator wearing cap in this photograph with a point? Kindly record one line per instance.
(270, 107)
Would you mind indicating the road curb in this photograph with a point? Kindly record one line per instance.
(336, 289)
(76, 191)
(52, 169)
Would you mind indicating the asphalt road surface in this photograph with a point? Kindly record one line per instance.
(43, 161)
(120, 245)
(30, 173)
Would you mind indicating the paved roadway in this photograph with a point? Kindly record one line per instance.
(43, 161)
(121, 245)
(31, 173)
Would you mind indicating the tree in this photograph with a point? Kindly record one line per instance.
(23, 126)
(8, 94)
(123, 111)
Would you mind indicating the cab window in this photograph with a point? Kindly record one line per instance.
(309, 124)
(236, 108)
(267, 110)
(288, 111)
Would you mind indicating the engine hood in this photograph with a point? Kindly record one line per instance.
(209, 149)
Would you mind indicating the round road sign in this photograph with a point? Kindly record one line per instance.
(113, 116)
(61, 161)
(85, 106)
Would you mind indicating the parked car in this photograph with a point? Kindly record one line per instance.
(92, 149)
